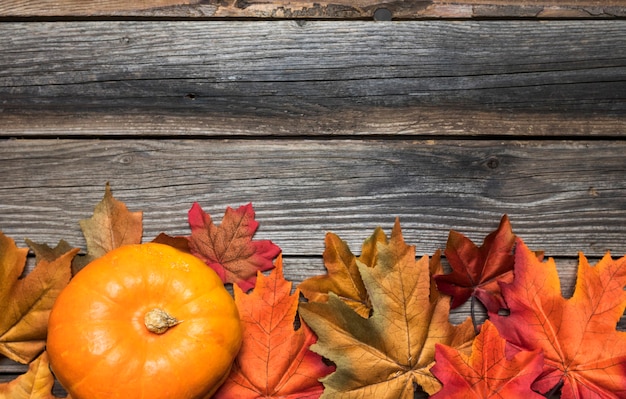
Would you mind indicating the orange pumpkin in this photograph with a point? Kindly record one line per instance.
(143, 321)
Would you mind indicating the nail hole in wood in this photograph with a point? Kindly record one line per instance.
(382, 14)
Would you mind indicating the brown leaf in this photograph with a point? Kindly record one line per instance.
(45, 252)
(383, 356)
(180, 243)
(343, 278)
(477, 271)
(26, 302)
(36, 383)
(111, 226)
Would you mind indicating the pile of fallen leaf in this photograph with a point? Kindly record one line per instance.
(375, 326)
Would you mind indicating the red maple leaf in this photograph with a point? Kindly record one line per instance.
(476, 271)
(274, 360)
(229, 248)
(491, 371)
(582, 349)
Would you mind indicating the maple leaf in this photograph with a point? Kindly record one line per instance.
(490, 371)
(581, 346)
(476, 271)
(383, 356)
(180, 243)
(343, 278)
(228, 248)
(26, 302)
(111, 226)
(274, 360)
(36, 383)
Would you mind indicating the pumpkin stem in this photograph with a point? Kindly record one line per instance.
(159, 321)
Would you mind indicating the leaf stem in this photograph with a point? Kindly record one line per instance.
(473, 314)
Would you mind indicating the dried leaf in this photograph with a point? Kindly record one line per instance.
(343, 278)
(45, 252)
(477, 271)
(383, 356)
(229, 248)
(36, 383)
(180, 243)
(275, 360)
(581, 346)
(26, 302)
(111, 226)
(489, 372)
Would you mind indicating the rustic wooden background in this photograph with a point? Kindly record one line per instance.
(327, 116)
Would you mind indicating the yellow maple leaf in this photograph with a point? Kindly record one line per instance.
(343, 277)
(26, 302)
(36, 383)
(385, 355)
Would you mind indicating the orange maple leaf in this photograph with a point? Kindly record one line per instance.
(490, 371)
(275, 360)
(229, 248)
(26, 302)
(581, 346)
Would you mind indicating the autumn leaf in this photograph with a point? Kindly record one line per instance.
(26, 302)
(180, 243)
(581, 346)
(490, 371)
(383, 356)
(343, 278)
(45, 252)
(229, 248)
(36, 383)
(111, 226)
(476, 271)
(275, 360)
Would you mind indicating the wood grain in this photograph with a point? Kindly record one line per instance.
(286, 78)
(562, 196)
(336, 9)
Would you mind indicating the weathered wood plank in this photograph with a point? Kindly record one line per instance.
(318, 9)
(523, 78)
(562, 197)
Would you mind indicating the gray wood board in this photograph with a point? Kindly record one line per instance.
(222, 78)
(562, 196)
(318, 9)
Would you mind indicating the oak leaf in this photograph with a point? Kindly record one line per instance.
(477, 271)
(26, 302)
(343, 278)
(36, 383)
(489, 372)
(111, 226)
(383, 356)
(229, 248)
(275, 360)
(582, 349)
